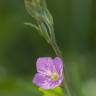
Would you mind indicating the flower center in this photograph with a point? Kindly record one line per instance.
(54, 76)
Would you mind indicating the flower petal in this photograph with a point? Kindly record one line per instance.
(58, 63)
(44, 65)
(41, 81)
(45, 82)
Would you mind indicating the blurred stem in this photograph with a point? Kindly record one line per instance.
(58, 53)
(56, 48)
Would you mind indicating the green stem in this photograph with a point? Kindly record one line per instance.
(58, 53)
(56, 48)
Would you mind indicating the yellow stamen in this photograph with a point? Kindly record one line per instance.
(55, 76)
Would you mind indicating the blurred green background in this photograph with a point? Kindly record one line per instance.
(20, 46)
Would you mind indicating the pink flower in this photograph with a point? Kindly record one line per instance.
(49, 72)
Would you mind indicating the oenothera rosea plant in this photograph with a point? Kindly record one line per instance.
(50, 73)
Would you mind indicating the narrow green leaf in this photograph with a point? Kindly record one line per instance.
(32, 25)
(48, 17)
(44, 32)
